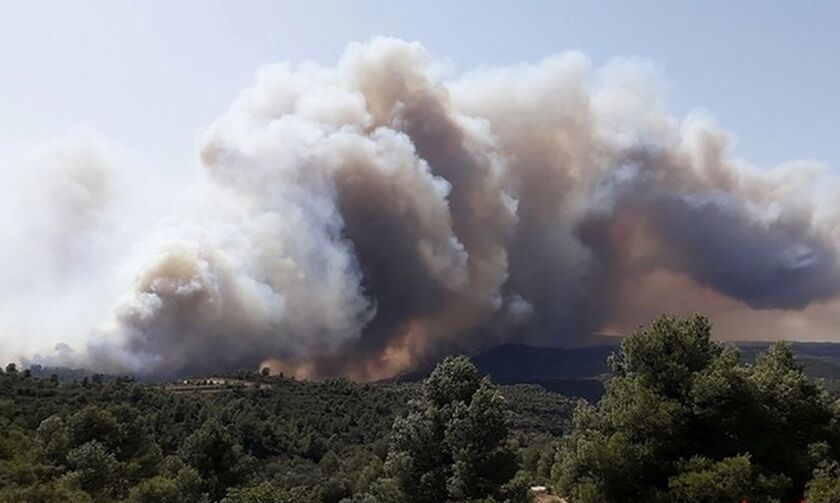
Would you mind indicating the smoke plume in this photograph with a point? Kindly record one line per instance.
(363, 219)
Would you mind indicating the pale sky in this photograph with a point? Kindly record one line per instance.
(148, 75)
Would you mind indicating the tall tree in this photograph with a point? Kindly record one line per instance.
(454, 444)
(217, 457)
(683, 421)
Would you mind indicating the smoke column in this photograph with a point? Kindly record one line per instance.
(363, 219)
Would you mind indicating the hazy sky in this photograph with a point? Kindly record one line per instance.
(148, 75)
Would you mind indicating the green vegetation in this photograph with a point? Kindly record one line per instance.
(248, 437)
(682, 420)
(454, 445)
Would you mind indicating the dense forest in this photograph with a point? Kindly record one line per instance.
(681, 419)
(238, 437)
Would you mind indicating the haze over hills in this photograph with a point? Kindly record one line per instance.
(580, 371)
(574, 372)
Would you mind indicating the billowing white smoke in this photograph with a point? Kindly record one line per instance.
(363, 218)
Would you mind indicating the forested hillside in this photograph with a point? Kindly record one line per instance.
(101, 439)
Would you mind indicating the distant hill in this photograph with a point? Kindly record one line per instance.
(580, 372)
(573, 372)
(577, 372)
(517, 363)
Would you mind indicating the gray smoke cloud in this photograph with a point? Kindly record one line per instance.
(363, 219)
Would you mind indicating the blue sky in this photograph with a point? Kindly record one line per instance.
(148, 75)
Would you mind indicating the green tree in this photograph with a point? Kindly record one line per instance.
(53, 491)
(681, 415)
(732, 479)
(454, 444)
(156, 490)
(217, 457)
(262, 493)
(184, 485)
(53, 439)
(94, 423)
(330, 464)
(94, 469)
(825, 486)
(383, 491)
